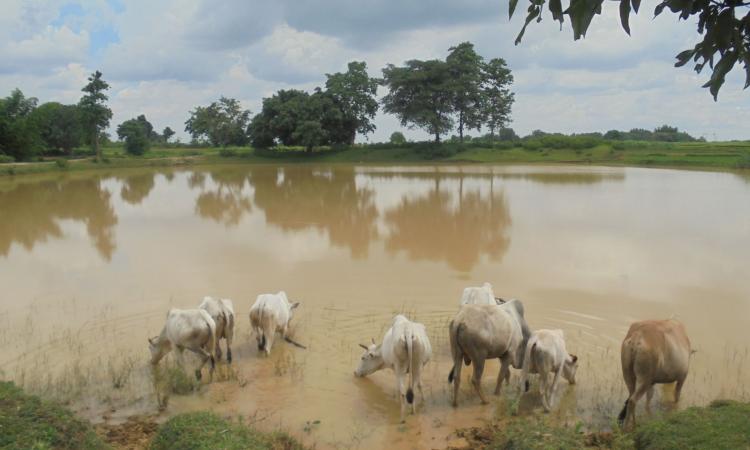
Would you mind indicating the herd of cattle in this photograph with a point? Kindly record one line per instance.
(485, 327)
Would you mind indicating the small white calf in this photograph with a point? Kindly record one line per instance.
(222, 311)
(271, 313)
(191, 329)
(545, 353)
(405, 350)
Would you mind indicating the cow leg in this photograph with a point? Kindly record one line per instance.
(421, 392)
(649, 396)
(401, 395)
(457, 364)
(229, 337)
(476, 379)
(553, 387)
(641, 389)
(678, 389)
(205, 357)
(218, 350)
(503, 374)
(544, 388)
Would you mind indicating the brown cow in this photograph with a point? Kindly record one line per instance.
(654, 351)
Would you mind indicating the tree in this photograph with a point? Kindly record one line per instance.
(167, 133)
(725, 32)
(19, 137)
(397, 138)
(222, 123)
(59, 126)
(95, 115)
(135, 134)
(507, 134)
(420, 95)
(497, 99)
(465, 67)
(353, 93)
(310, 133)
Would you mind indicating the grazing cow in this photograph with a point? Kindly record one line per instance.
(545, 353)
(481, 332)
(191, 329)
(222, 311)
(269, 314)
(405, 350)
(480, 296)
(654, 351)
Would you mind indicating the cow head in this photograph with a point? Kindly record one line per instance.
(570, 367)
(292, 307)
(371, 360)
(154, 345)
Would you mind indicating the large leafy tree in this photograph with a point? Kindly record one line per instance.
(18, 134)
(167, 133)
(497, 99)
(465, 67)
(353, 92)
(724, 27)
(135, 133)
(222, 123)
(95, 115)
(420, 95)
(59, 126)
(279, 117)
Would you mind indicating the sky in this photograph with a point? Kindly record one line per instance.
(164, 58)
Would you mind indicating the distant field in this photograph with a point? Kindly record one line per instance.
(697, 155)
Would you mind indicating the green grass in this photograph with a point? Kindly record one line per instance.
(27, 422)
(205, 430)
(697, 155)
(724, 424)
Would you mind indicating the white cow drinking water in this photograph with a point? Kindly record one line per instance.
(480, 296)
(222, 311)
(545, 353)
(271, 313)
(186, 329)
(405, 350)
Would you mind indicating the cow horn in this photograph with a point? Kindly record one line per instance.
(364, 346)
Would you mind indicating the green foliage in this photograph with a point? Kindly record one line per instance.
(59, 126)
(353, 94)
(62, 163)
(744, 162)
(167, 134)
(310, 133)
(420, 95)
(205, 430)
(228, 152)
(28, 422)
(135, 133)
(223, 123)
(465, 68)
(94, 113)
(4, 159)
(397, 138)
(725, 32)
(497, 99)
(18, 134)
(724, 424)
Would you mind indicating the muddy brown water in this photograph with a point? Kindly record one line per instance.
(91, 262)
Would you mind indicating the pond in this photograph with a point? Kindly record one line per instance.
(91, 262)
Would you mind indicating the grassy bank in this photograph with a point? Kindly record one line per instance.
(697, 155)
(722, 425)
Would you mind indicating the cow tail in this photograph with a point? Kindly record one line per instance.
(211, 337)
(527, 365)
(411, 364)
(456, 349)
(262, 327)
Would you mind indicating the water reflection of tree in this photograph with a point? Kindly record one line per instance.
(228, 203)
(136, 188)
(329, 201)
(31, 213)
(434, 227)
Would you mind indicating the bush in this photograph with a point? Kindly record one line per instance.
(28, 422)
(743, 163)
(4, 159)
(205, 430)
(397, 138)
(62, 163)
(227, 152)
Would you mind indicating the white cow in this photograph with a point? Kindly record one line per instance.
(222, 311)
(405, 350)
(271, 313)
(545, 353)
(191, 329)
(480, 296)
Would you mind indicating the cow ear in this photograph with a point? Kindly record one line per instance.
(294, 305)
(364, 346)
(151, 341)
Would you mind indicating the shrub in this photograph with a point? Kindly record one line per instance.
(62, 163)
(28, 422)
(4, 159)
(227, 152)
(397, 138)
(205, 430)
(743, 163)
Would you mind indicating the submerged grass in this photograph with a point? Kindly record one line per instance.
(27, 422)
(205, 430)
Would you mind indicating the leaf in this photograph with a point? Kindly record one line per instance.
(555, 7)
(659, 8)
(512, 8)
(684, 57)
(625, 15)
(724, 65)
(636, 5)
(533, 13)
